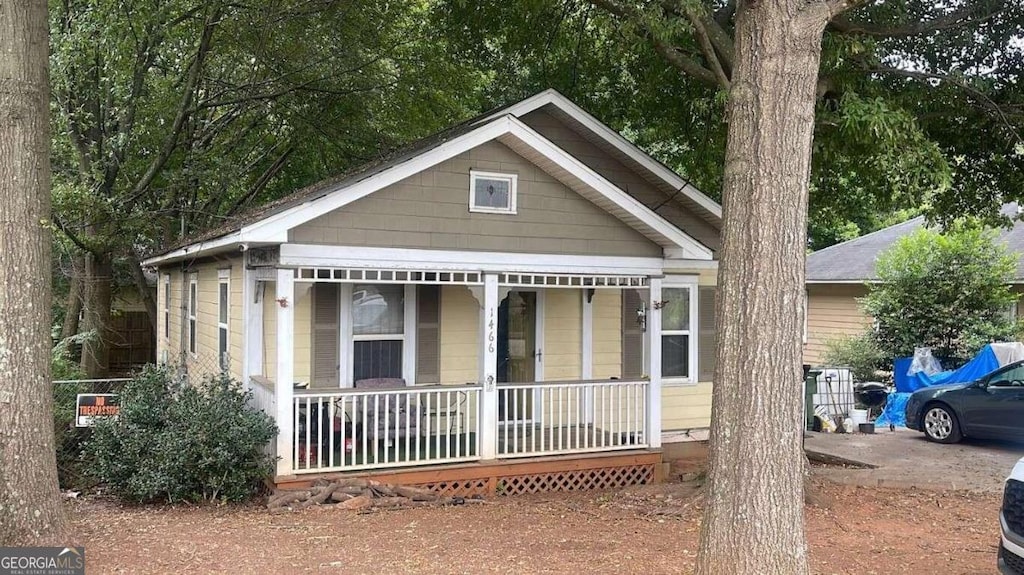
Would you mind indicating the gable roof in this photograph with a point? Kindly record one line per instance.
(270, 223)
(853, 261)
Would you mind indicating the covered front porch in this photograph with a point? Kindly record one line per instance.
(412, 363)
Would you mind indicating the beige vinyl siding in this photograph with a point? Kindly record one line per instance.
(302, 340)
(460, 344)
(686, 406)
(431, 210)
(607, 339)
(563, 343)
(205, 361)
(832, 312)
(620, 175)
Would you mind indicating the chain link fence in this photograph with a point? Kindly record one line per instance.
(70, 438)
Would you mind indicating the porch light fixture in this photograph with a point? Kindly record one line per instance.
(641, 316)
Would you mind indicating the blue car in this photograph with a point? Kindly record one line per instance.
(990, 407)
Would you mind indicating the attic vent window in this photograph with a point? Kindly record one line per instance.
(492, 193)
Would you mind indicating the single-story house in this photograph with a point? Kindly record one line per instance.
(523, 285)
(838, 276)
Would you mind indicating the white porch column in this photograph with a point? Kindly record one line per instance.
(587, 352)
(654, 363)
(489, 368)
(252, 322)
(283, 381)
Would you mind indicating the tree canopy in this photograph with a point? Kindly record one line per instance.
(918, 103)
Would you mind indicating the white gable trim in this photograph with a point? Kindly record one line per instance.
(556, 99)
(507, 129)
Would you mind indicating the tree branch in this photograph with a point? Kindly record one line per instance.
(184, 108)
(707, 48)
(672, 55)
(966, 16)
(986, 101)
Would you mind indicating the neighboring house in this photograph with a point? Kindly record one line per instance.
(837, 276)
(542, 286)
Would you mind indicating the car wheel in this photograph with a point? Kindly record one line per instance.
(940, 424)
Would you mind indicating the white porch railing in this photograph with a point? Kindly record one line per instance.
(262, 394)
(373, 429)
(571, 417)
(263, 399)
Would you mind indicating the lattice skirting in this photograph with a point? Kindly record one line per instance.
(523, 476)
(570, 480)
(576, 480)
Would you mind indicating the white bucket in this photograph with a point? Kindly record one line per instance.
(858, 416)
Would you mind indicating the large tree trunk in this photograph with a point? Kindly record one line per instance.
(73, 309)
(30, 508)
(753, 522)
(99, 272)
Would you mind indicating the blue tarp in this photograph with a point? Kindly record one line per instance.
(984, 363)
(894, 413)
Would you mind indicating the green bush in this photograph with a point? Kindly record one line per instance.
(182, 443)
(947, 291)
(859, 353)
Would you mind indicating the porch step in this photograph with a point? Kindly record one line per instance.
(515, 476)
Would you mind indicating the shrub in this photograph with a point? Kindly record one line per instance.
(182, 443)
(859, 353)
(949, 292)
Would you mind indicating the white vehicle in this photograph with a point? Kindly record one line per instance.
(1011, 520)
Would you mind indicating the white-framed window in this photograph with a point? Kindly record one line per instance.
(378, 313)
(492, 193)
(678, 330)
(193, 305)
(167, 306)
(223, 315)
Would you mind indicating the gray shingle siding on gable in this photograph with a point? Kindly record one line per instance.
(431, 211)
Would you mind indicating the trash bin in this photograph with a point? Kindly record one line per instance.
(810, 388)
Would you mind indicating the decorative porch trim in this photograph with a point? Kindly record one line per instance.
(571, 281)
(386, 276)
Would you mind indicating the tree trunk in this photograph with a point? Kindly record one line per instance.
(99, 272)
(30, 507)
(753, 522)
(145, 293)
(73, 310)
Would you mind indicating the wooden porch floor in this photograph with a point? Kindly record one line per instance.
(604, 470)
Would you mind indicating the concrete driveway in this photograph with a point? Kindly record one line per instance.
(905, 459)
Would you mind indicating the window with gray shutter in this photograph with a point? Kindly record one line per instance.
(632, 336)
(326, 334)
(428, 334)
(706, 333)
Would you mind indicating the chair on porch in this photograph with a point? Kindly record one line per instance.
(388, 416)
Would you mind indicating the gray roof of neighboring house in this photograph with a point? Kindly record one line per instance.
(854, 260)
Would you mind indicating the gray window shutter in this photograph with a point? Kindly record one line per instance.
(326, 334)
(428, 334)
(706, 333)
(632, 336)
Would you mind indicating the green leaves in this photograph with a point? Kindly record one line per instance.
(182, 443)
(946, 291)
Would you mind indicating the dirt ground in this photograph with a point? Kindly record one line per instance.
(904, 458)
(651, 529)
